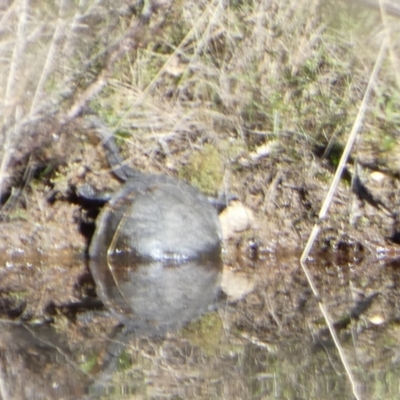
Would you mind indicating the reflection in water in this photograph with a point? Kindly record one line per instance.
(36, 364)
(269, 345)
(151, 297)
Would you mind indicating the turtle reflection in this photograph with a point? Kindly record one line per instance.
(151, 297)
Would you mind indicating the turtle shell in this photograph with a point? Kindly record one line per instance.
(157, 217)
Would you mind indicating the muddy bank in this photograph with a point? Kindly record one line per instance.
(283, 196)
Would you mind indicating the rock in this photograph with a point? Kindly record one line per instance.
(236, 285)
(236, 218)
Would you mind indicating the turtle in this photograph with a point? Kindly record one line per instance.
(155, 254)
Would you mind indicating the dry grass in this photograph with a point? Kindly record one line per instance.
(229, 73)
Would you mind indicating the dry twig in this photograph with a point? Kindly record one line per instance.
(324, 210)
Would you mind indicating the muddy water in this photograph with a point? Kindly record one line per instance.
(272, 343)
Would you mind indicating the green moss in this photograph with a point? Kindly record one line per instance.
(124, 361)
(205, 333)
(389, 143)
(21, 295)
(204, 169)
(19, 214)
(89, 363)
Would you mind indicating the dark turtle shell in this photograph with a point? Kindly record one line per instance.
(157, 217)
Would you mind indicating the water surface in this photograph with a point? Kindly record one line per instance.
(271, 344)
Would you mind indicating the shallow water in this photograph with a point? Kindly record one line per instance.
(271, 344)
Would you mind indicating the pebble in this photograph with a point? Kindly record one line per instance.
(236, 218)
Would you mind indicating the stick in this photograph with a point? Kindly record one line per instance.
(324, 210)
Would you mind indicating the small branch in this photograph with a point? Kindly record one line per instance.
(9, 98)
(51, 56)
(18, 53)
(324, 210)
